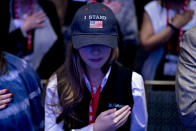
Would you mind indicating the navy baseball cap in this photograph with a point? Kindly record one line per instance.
(94, 23)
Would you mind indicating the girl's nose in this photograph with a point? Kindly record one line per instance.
(95, 48)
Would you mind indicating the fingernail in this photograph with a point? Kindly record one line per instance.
(7, 90)
(12, 95)
(11, 99)
(6, 105)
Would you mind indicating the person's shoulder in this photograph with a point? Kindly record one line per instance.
(122, 71)
(15, 61)
(52, 83)
(153, 7)
(121, 67)
(20, 70)
(190, 35)
(16, 64)
(189, 39)
(152, 4)
(136, 75)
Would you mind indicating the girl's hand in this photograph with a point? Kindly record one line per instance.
(111, 119)
(34, 21)
(180, 20)
(5, 98)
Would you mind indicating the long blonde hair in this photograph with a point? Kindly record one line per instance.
(71, 83)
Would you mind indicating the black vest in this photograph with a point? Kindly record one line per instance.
(118, 90)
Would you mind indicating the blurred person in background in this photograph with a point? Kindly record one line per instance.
(125, 13)
(164, 23)
(20, 95)
(186, 80)
(32, 31)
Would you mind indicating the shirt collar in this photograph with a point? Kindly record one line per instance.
(87, 82)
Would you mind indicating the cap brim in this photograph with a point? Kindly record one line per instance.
(84, 40)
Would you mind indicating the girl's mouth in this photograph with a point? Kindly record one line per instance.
(95, 59)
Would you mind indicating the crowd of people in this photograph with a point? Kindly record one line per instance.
(88, 50)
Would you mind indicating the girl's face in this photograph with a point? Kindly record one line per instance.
(95, 56)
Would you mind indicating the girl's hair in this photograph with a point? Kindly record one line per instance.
(3, 64)
(71, 83)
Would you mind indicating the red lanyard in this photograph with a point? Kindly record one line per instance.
(180, 31)
(29, 34)
(93, 104)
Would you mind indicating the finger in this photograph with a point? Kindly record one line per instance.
(6, 101)
(190, 15)
(3, 97)
(4, 91)
(192, 12)
(38, 16)
(42, 19)
(121, 115)
(108, 112)
(41, 15)
(123, 109)
(123, 120)
(3, 106)
(39, 25)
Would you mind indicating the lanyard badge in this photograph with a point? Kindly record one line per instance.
(94, 104)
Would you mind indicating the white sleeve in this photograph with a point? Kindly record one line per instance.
(139, 116)
(51, 111)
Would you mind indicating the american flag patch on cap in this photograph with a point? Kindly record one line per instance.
(96, 24)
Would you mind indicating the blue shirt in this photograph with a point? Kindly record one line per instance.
(25, 112)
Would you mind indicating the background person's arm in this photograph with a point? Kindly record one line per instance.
(150, 40)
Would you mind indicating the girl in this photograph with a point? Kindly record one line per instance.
(86, 92)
